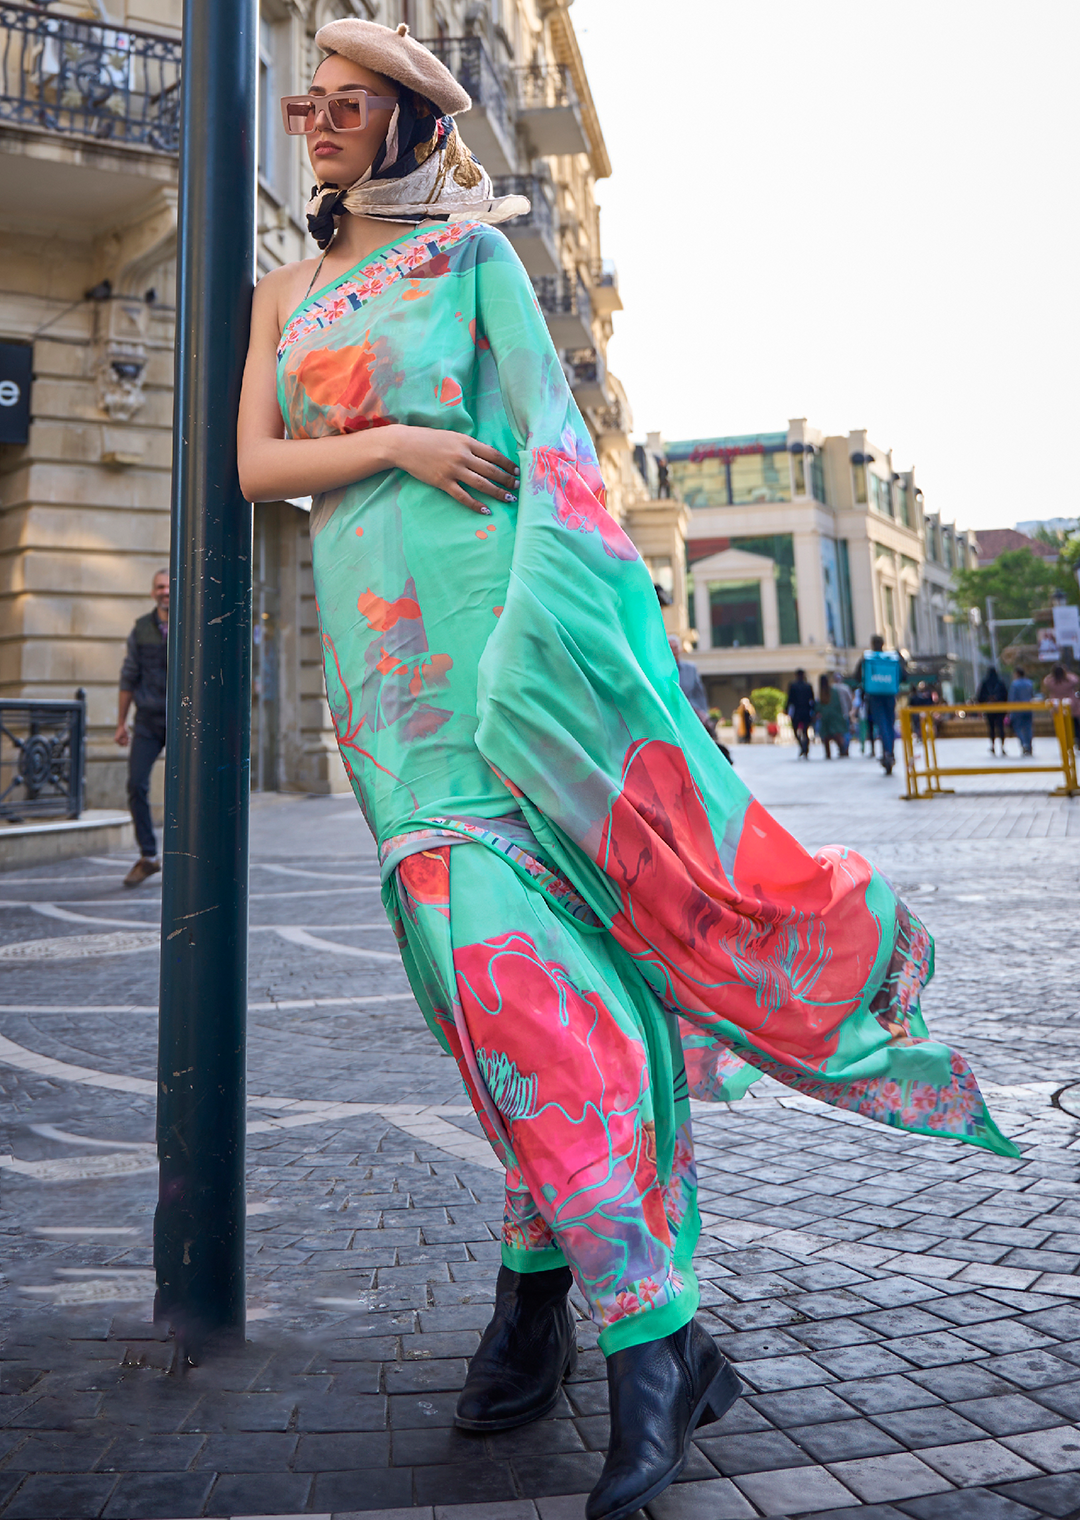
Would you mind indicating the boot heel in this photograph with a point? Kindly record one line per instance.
(724, 1389)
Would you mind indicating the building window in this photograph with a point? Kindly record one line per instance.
(947, 550)
(913, 622)
(798, 471)
(844, 566)
(817, 478)
(888, 608)
(735, 611)
(836, 578)
(881, 495)
(780, 548)
(267, 100)
(759, 477)
(858, 475)
(905, 503)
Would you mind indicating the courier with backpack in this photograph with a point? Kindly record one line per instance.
(880, 674)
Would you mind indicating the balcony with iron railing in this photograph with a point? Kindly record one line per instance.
(488, 127)
(548, 110)
(605, 288)
(533, 235)
(567, 309)
(89, 80)
(588, 379)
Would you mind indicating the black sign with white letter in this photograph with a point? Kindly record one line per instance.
(15, 372)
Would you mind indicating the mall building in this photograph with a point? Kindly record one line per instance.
(800, 547)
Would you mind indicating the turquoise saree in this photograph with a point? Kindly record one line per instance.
(598, 919)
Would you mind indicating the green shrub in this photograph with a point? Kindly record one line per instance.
(768, 703)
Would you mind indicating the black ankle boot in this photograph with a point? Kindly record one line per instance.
(524, 1354)
(659, 1393)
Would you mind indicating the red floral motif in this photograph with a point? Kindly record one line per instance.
(605, 1152)
(426, 877)
(383, 615)
(786, 939)
(576, 506)
(338, 376)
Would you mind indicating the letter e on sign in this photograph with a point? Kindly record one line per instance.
(15, 375)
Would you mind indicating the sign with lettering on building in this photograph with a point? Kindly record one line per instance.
(16, 361)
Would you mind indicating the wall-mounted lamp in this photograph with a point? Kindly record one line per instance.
(128, 369)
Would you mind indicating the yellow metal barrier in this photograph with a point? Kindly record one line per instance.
(927, 782)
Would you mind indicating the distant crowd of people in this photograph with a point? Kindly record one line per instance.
(839, 711)
(1061, 686)
(863, 709)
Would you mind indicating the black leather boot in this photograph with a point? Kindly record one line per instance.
(659, 1393)
(527, 1350)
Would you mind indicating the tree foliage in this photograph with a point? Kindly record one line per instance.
(768, 702)
(1019, 581)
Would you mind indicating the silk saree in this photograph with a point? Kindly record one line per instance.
(598, 919)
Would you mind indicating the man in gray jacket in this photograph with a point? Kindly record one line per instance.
(142, 681)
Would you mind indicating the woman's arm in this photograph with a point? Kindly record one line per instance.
(273, 467)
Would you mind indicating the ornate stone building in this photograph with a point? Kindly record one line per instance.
(88, 169)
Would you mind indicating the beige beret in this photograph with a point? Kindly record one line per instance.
(398, 56)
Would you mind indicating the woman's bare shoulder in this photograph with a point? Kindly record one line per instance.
(281, 290)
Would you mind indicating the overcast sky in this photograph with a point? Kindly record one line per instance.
(858, 211)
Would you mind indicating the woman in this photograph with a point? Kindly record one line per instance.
(574, 874)
(832, 725)
(1062, 688)
(743, 721)
(993, 689)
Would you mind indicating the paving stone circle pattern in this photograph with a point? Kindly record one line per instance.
(904, 1312)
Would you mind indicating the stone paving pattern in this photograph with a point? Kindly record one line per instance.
(904, 1312)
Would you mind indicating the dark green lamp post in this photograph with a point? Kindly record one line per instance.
(199, 1225)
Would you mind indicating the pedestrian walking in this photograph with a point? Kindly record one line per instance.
(847, 703)
(1022, 689)
(880, 673)
(743, 720)
(692, 688)
(832, 725)
(800, 709)
(1062, 688)
(860, 721)
(142, 682)
(690, 682)
(574, 876)
(993, 689)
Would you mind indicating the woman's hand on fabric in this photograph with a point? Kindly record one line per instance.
(458, 465)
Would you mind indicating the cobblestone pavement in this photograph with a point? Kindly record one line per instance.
(904, 1312)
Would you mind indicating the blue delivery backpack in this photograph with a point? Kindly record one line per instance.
(881, 673)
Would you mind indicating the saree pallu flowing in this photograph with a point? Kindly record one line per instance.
(597, 918)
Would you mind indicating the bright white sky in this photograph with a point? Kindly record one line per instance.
(858, 211)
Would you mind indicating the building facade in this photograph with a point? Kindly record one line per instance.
(89, 101)
(800, 547)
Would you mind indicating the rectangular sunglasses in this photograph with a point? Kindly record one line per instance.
(347, 110)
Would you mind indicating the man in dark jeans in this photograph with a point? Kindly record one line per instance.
(800, 709)
(142, 681)
(889, 670)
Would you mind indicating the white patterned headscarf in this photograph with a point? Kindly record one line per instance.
(423, 170)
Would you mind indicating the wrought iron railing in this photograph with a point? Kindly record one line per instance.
(563, 295)
(544, 86)
(531, 185)
(614, 418)
(587, 367)
(470, 63)
(86, 79)
(42, 757)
